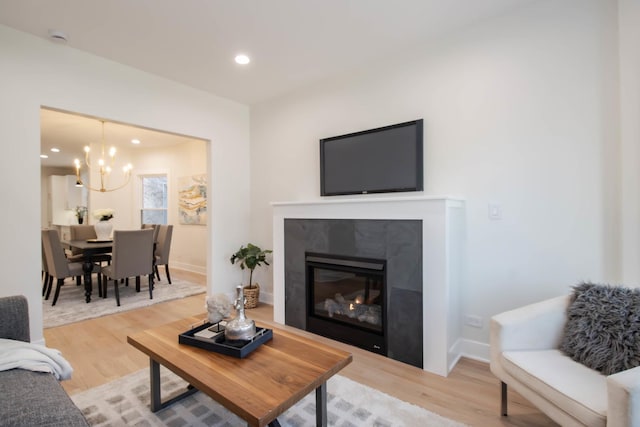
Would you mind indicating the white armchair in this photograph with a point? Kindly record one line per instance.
(525, 355)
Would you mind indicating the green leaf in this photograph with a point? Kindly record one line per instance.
(250, 257)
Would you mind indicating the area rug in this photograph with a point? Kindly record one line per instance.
(71, 306)
(125, 402)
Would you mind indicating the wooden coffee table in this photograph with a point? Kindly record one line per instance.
(259, 387)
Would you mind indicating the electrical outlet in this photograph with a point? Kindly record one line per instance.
(473, 321)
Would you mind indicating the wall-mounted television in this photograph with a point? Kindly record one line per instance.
(382, 160)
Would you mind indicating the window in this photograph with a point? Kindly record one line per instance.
(154, 199)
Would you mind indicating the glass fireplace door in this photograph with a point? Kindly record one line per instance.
(346, 299)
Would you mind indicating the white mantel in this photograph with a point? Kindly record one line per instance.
(442, 227)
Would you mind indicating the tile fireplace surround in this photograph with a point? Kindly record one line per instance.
(442, 239)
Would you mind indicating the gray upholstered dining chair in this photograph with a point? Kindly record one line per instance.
(163, 247)
(46, 277)
(156, 230)
(57, 263)
(85, 232)
(132, 256)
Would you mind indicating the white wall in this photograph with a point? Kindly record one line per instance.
(37, 73)
(519, 110)
(189, 242)
(629, 16)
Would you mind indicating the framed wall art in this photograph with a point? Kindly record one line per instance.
(192, 199)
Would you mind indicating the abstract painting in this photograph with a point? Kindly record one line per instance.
(192, 199)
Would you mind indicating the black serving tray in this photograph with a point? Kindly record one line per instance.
(219, 344)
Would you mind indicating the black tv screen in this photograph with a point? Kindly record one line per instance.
(382, 160)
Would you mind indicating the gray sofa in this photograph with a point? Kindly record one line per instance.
(30, 398)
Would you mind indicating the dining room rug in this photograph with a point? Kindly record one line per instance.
(71, 306)
(125, 402)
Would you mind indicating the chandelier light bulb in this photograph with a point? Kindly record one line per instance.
(78, 179)
(104, 170)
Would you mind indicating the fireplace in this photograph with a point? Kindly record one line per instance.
(346, 299)
(381, 259)
(421, 239)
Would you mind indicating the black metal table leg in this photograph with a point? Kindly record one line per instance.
(503, 399)
(321, 405)
(156, 402)
(321, 408)
(154, 373)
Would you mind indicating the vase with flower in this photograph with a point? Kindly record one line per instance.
(103, 227)
(80, 212)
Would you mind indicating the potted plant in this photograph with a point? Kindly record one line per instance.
(80, 211)
(250, 257)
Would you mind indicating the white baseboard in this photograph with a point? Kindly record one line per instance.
(454, 356)
(266, 297)
(188, 267)
(475, 350)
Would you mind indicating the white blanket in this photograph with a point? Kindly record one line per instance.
(23, 355)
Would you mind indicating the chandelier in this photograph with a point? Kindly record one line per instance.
(104, 168)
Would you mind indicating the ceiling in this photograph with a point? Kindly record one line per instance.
(292, 44)
(71, 132)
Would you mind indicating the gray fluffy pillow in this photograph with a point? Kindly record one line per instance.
(603, 327)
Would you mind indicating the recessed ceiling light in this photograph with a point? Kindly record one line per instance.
(242, 59)
(55, 150)
(135, 141)
(44, 156)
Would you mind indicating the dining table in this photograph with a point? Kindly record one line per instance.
(90, 249)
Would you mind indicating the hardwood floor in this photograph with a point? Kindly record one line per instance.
(98, 351)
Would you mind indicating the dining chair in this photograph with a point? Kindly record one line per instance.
(156, 230)
(85, 232)
(57, 263)
(46, 277)
(132, 256)
(163, 247)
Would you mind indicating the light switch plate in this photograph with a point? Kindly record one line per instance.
(495, 211)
